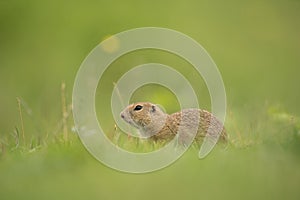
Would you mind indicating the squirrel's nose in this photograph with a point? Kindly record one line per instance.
(122, 115)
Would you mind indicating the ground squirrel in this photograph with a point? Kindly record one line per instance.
(155, 124)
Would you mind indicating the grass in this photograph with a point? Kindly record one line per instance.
(255, 45)
(263, 151)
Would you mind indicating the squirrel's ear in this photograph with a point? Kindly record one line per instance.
(153, 108)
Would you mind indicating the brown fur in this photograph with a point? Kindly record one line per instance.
(159, 126)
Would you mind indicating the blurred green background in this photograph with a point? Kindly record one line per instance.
(255, 45)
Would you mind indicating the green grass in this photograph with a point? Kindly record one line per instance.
(255, 45)
(261, 161)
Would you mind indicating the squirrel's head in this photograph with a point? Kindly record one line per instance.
(145, 116)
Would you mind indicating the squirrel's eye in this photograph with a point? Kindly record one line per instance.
(138, 107)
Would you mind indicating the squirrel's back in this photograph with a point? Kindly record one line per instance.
(189, 120)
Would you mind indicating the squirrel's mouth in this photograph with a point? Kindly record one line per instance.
(128, 119)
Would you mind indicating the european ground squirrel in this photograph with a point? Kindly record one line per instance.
(157, 125)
